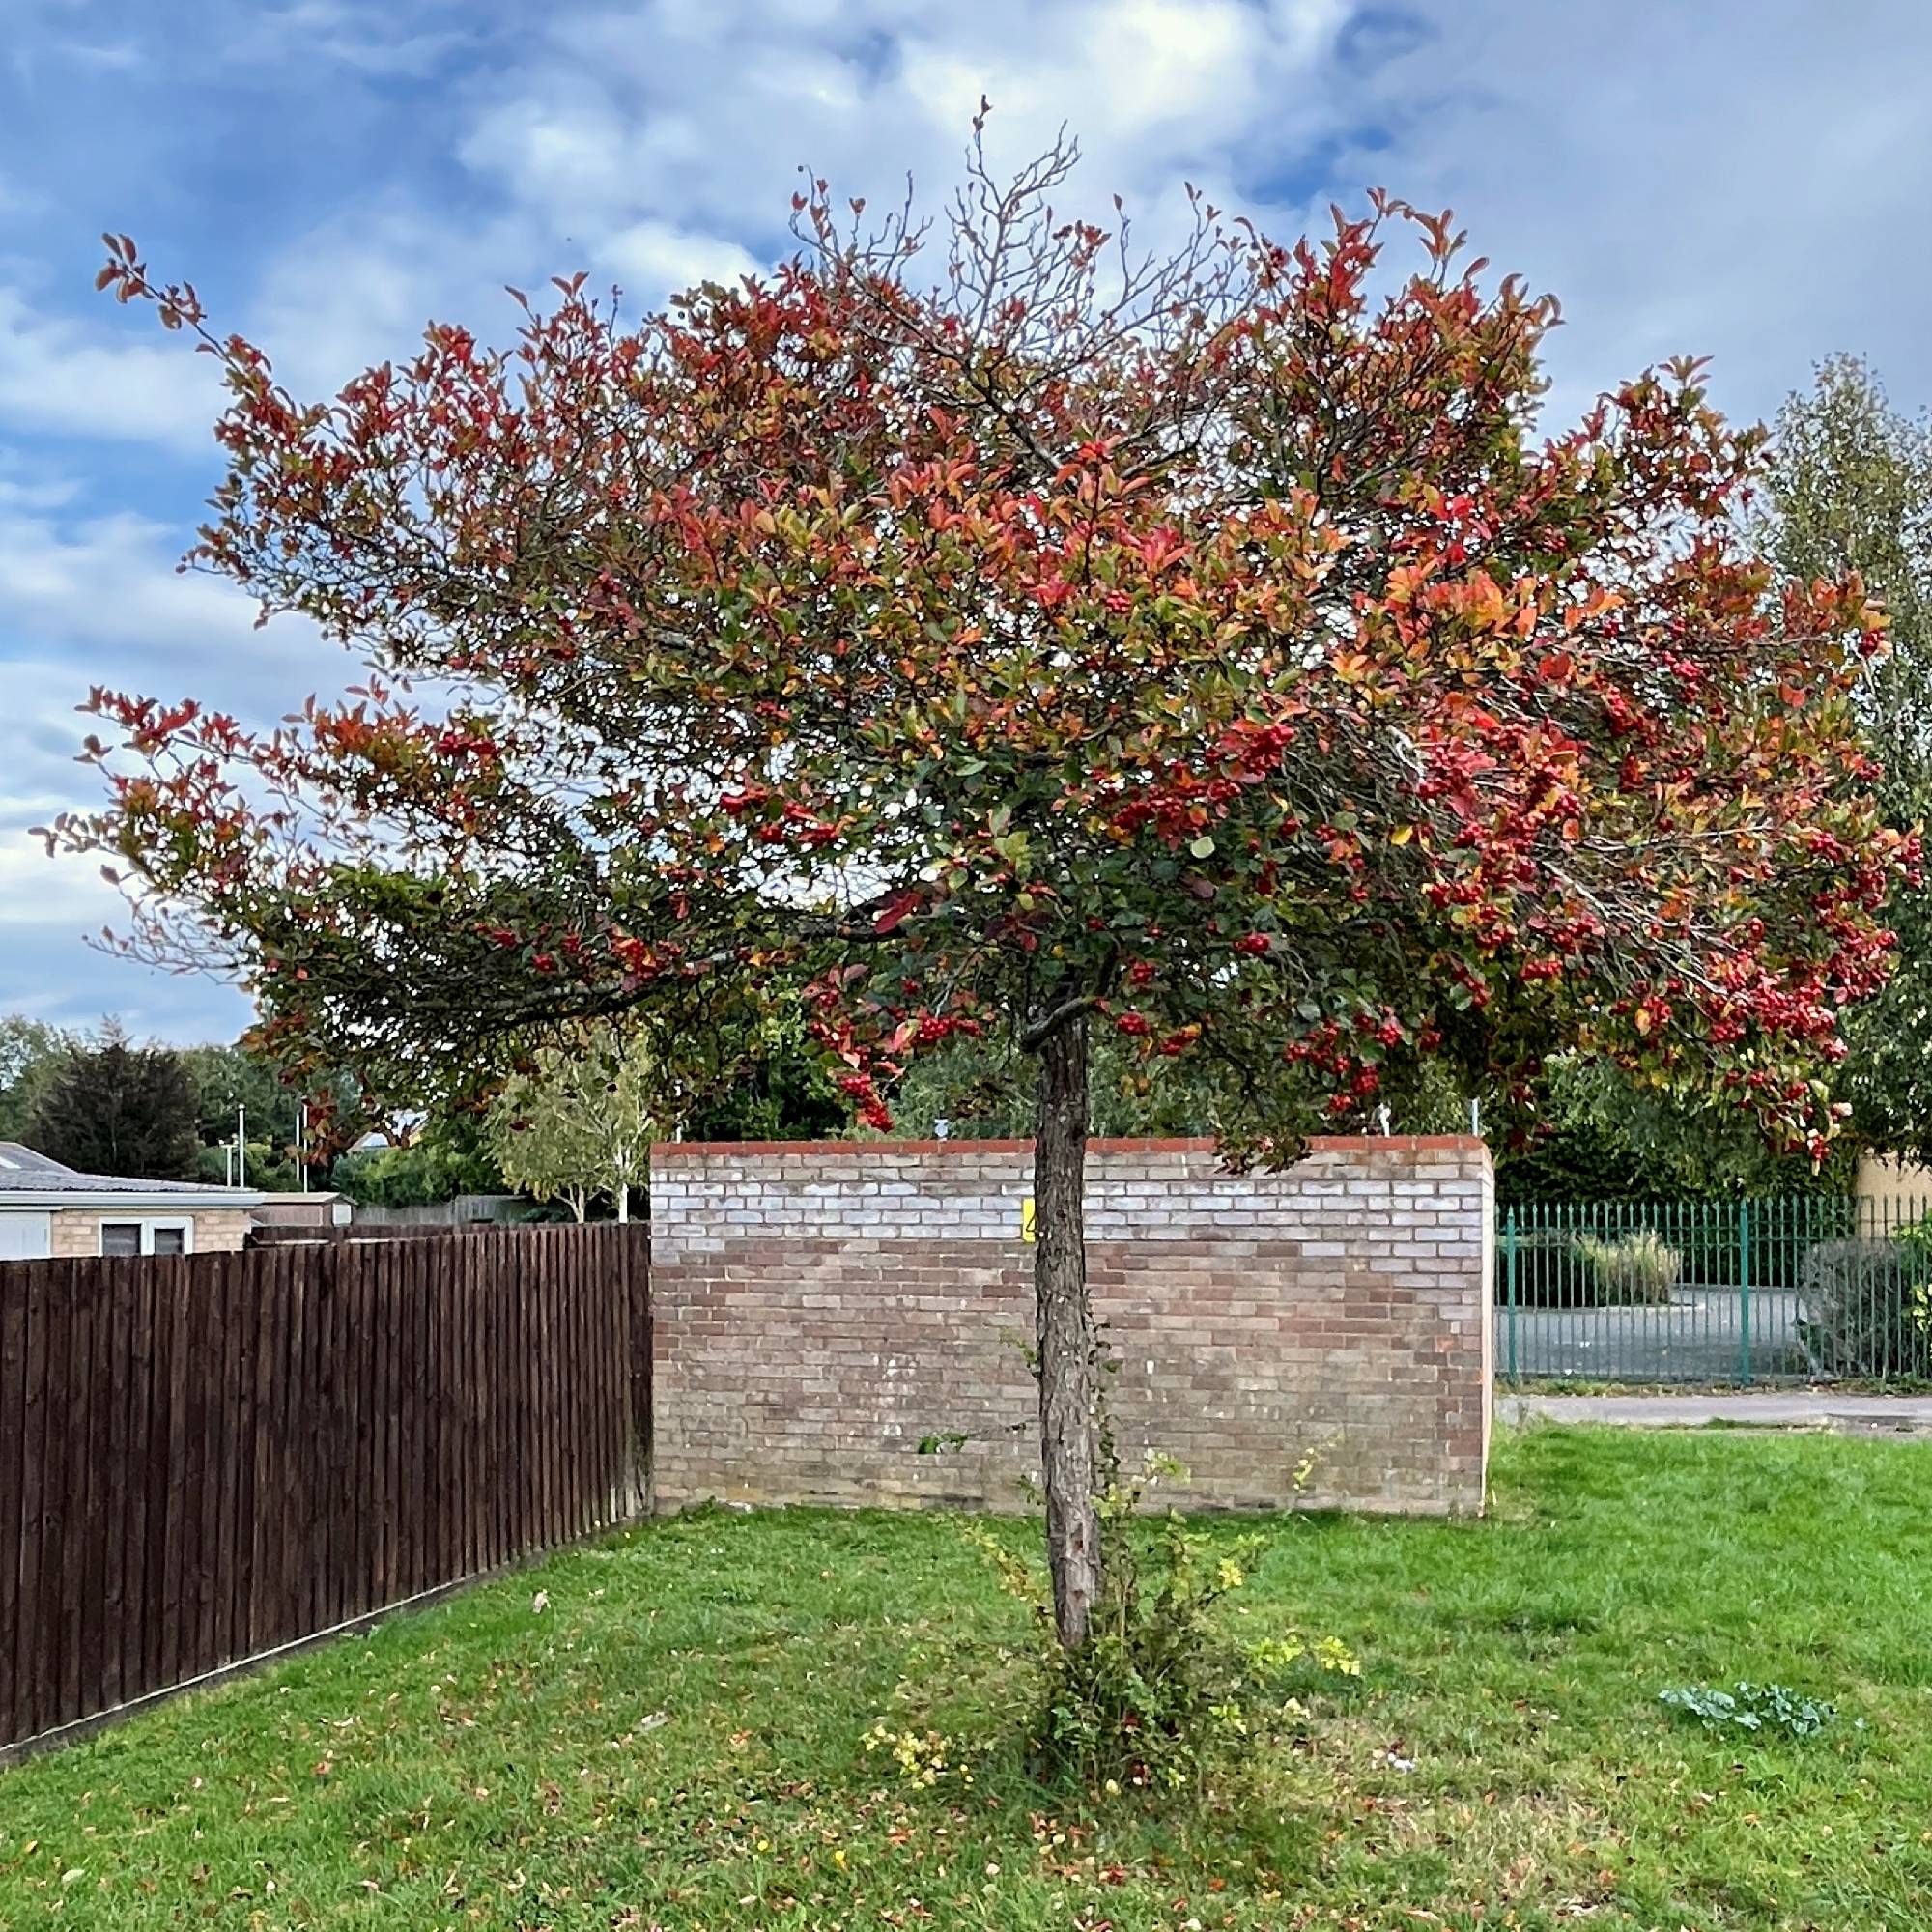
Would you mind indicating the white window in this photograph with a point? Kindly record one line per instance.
(146, 1237)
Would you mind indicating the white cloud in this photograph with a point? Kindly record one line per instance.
(699, 116)
(16, 199)
(115, 54)
(106, 590)
(371, 39)
(354, 291)
(1727, 180)
(64, 892)
(1147, 85)
(97, 600)
(56, 970)
(655, 259)
(56, 963)
(64, 376)
(1743, 182)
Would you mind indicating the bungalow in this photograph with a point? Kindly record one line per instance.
(46, 1209)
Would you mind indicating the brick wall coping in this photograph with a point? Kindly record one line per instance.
(670, 1151)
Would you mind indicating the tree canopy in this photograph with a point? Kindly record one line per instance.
(580, 1121)
(1203, 636)
(1000, 629)
(447, 1156)
(30, 1051)
(1851, 490)
(113, 1107)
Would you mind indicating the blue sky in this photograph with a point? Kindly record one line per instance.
(1747, 179)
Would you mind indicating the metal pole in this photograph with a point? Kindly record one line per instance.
(1744, 1290)
(240, 1147)
(1509, 1276)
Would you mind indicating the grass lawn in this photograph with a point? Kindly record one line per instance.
(676, 1738)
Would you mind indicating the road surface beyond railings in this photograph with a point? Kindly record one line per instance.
(1783, 1408)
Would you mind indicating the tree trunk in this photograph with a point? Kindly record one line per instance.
(1064, 1331)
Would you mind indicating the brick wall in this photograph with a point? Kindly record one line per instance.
(818, 1309)
(76, 1231)
(221, 1229)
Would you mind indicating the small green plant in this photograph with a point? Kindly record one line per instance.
(1864, 1306)
(926, 1758)
(1635, 1268)
(1914, 1240)
(1162, 1688)
(1759, 1709)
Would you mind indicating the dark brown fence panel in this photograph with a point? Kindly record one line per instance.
(205, 1459)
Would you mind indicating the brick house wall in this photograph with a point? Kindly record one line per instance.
(820, 1308)
(76, 1231)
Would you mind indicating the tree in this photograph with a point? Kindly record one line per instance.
(1850, 489)
(233, 1084)
(1600, 1138)
(580, 1121)
(112, 1107)
(30, 1051)
(1199, 646)
(447, 1157)
(761, 1079)
(984, 1090)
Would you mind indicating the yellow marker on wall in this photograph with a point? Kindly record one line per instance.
(1027, 1232)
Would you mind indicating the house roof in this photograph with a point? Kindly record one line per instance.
(16, 1160)
(28, 1177)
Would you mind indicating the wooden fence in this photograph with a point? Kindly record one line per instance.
(203, 1459)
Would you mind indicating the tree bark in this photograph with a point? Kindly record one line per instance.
(1063, 1328)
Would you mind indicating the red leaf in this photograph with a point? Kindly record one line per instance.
(893, 915)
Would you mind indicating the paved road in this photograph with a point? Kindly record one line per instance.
(1783, 1408)
(1698, 1337)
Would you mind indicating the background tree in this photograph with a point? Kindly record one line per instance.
(1202, 647)
(1851, 490)
(1598, 1137)
(228, 1080)
(446, 1155)
(580, 1119)
(757, 1075)
(29, 1052)
(112, 1107)
(984, 1090)
(1595, 1135)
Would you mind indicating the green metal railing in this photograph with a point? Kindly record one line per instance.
(1787, 1289)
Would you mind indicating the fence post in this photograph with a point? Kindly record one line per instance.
(1509, 1277)
(1744, 1290)
(637, 1266)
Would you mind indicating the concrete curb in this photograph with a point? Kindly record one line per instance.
(1805, 1409)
